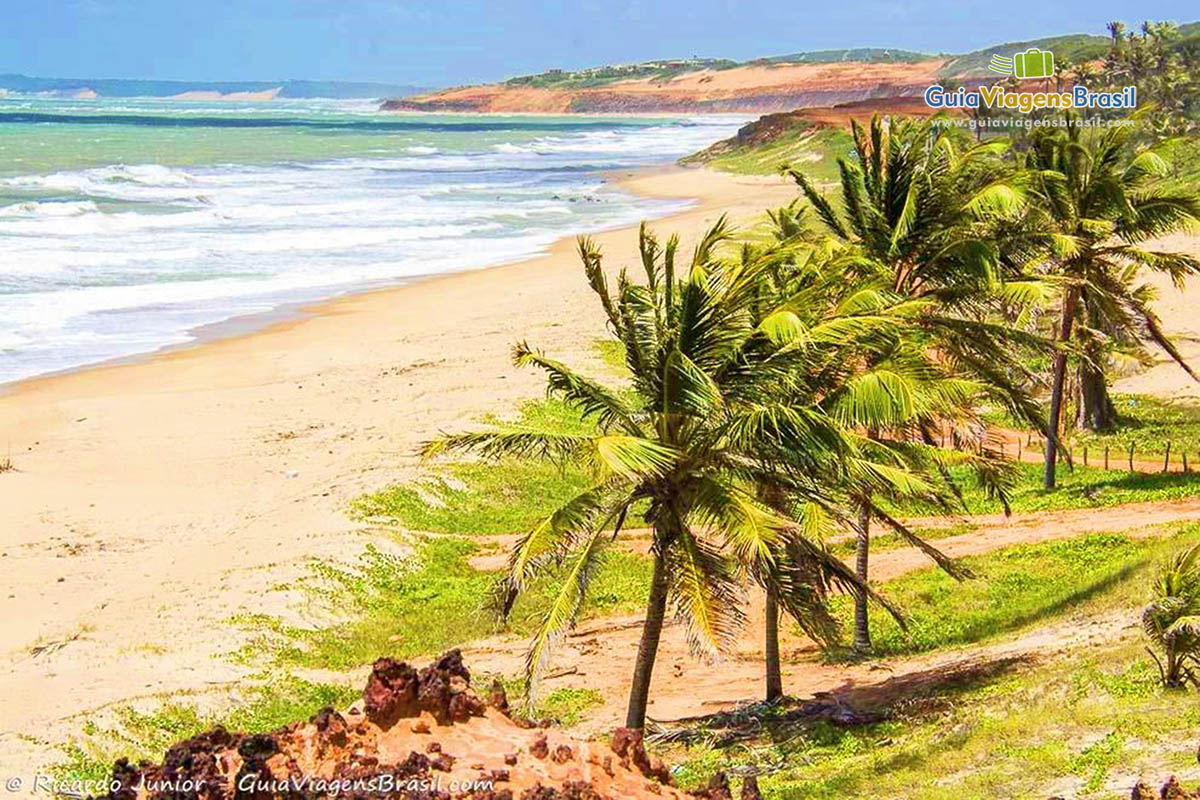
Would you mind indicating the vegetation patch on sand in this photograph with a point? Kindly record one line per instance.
(1018, 587)
(139, 735)
(422, 604)
(1148, 423)
(479, 498)
(1081, 487)
(765, 146)
(1087, 725)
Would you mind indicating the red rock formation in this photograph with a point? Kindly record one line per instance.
(416, 735)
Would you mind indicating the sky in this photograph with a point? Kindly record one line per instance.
(432, 43)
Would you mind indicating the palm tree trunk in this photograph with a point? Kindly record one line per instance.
(771, 649)
(648, 649)
(1056, 391)
(862, 631)
(1096, 410)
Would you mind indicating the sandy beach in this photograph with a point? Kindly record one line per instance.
(151, 501)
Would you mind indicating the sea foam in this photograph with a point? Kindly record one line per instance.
(106, 260)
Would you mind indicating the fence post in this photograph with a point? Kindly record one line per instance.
(1002, 449)
(1131, 457)
(1018, 448)
(1185, 466)
(1106, 456)
(1167, 458)
(1085, 455)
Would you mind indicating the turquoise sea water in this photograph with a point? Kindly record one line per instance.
(126, 224)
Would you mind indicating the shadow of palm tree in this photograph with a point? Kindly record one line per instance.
(853, 704)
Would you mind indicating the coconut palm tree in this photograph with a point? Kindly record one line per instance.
(933, 225)
(702, 424)
(1172, 619)
(1100, 203)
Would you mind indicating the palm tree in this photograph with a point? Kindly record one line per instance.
(1100, 203)
(700, 426)
(808, 291)
(930, 224)
(1172, 619)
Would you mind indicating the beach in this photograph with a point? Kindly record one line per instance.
(152, 501)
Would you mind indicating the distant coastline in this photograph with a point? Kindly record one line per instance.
(92, 88)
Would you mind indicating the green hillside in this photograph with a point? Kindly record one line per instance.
(861, 54)
(1073, 47)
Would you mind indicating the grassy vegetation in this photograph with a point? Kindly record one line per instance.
(874, 55)
(1148, 423)
(1072, 47)
(137, 735)
(1184, 154)
(815, 151)
(1082, 487)
(1086, 726)
(603, 76)
(1017, 587)
(474, 498)
(567, 705)
(845, 546)
(423, 605)
(612, 353)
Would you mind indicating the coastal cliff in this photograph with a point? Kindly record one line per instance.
(744, 89)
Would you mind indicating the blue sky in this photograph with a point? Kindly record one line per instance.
(433, 43)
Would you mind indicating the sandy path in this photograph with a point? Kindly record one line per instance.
(600, 653)
(1178, 312)
(151, 501)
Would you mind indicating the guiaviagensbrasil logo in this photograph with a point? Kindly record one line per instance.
(1036, 64)
(1033, 63)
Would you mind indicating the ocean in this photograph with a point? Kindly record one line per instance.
(128, 225)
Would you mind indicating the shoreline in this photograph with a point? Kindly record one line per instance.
(152, 501)
(261, 321)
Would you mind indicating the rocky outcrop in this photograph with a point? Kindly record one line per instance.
(1171, 790)
(417, 734)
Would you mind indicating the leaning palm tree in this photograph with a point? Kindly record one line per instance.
(860, 385)
(932, 224)
(1101, 203)
(701, 425)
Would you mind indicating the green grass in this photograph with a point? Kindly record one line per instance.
(1147, 423)
(139, 735)
(1084, 726)
(812, 151)
(1073, 47)
(890, 541)
(476, 498)
(568, 706)
(603, 76)
(1083, 487)
(1184, 154)
(480, 498)
(423, 605)
(612, 353)
(1017, 587)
